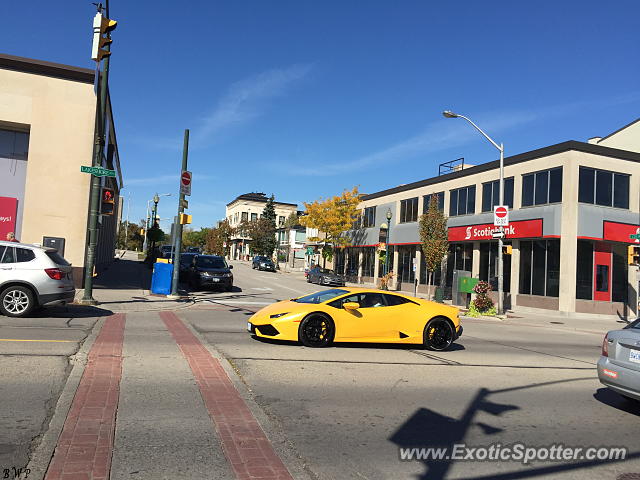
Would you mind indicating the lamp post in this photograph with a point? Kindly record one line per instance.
(450, 114)
(155, 200)
(386, 260)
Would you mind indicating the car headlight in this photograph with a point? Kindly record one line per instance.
(278, 315)
(263, 264)
(205, 274)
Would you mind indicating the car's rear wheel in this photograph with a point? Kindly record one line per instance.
(316, 330)
(438, 334)
(17, 301)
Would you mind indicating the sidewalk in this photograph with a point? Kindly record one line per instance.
(124, 287)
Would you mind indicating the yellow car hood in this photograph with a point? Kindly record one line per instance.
(285, 306)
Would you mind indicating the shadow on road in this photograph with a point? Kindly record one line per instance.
(612, 399)
(71, 311)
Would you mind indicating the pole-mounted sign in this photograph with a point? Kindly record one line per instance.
(185, 183)
(500, 216)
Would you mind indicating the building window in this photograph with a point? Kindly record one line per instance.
(369, 217)
(460, 257)
(489, 266)
(254, 217)
(601, 187)
(407, 254)
(281, 221)
(437, 275)
(339, 261)
(584, 270)
(409, 210)
(14, 145)
(491, 194)
(368, 261)
(245, 216)
(619, 273)
(427, 199)
(353, 257)
(542, 187)
(462, 201)
(540, 267)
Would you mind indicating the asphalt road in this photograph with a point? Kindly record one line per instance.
(347, 409)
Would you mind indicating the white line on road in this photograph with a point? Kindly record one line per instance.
(266, 289)
(239, 302)
(289, 288)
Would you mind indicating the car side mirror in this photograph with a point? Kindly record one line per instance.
(351, 305)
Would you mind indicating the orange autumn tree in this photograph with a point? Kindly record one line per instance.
(332, 217)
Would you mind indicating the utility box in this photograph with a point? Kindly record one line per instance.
(161, 278)
(54, 242)
(459, 297)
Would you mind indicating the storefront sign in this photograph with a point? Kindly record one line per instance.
(8, 212)
(620, 232)
(521, 229)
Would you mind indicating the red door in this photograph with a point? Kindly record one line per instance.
(602, 272)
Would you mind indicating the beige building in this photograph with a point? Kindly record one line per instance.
(572, 209)
(47, 119)
(247, 207)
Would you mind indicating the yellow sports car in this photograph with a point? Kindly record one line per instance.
(358, 315)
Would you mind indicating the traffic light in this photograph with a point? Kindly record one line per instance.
(107, 201)
(101, 26)
(185, 219)
(633, 255)
(507, 249)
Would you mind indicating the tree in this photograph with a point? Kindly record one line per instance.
(434, 237)
(129, 237)
(219, 239)
(292, 221)
(269, 211)
(332, 217)
(195, 238)
(262, 233)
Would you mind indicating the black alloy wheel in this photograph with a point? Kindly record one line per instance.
(438, 334)
(316, 330)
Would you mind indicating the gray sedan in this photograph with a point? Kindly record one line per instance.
(619, 365)
(322, 276)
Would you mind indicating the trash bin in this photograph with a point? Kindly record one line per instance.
(161, 278)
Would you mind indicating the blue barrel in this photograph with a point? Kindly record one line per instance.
(161, 278)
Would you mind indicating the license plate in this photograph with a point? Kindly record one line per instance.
(634, 356)
(215, 279)
(249, 326)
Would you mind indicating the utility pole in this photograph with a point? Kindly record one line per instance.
(178, 229)
(100, 28)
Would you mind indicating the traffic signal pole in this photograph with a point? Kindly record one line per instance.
(94, 189)
(178, 227)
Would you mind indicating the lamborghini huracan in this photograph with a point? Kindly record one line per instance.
(358, 315)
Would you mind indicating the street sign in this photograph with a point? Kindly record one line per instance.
(635, 236)
(500, 216)
(497, 234)
(184, 203)
(98, 171)
(185, 183)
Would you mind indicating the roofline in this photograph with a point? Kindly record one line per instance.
(50, 69)
(265, 201)
(619, 130)
(515, 159)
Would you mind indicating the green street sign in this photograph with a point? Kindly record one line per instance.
(98, 171)
(309, 250)
(635, 236)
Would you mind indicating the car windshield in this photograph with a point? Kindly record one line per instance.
(321, 297)
(57, 258)
(211, 262)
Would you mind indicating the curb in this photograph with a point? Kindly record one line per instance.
(279, 441)
(42, 454)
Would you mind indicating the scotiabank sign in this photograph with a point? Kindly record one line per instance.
(619, 232)
(8, 211)
(520, 229)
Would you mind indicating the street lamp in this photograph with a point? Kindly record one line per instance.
(155, 199)
(386, 260)
(450, 114)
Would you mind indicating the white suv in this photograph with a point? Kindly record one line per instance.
(32, 276)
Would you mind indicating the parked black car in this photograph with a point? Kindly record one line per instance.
(322, 276)
(186, 259)
(210, 271)
(263, 263)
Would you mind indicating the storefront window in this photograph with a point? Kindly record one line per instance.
(601, 187)
(353, 257)
(437, 275)
(368, 261)
(460, 257)
(619, 274)
(540, 267)
(584, 270)
(541, 188)
(405, 263)
(489, 266)
(339, 261)
(381, 265)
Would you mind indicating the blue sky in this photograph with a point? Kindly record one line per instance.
(305, 98)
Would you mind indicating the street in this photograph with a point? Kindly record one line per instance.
(340, 412)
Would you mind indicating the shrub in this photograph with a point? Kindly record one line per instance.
(482, 303)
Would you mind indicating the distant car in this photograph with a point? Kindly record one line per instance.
(166, 251)
(32, 276)
(322, 276)
(210, 271)
(193, 250)
(619, 365)
(185, 263)
(263, 263)
(358, 315)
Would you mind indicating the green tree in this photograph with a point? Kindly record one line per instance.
(292, 221)
(434, 237)
(195, 238)
(269, 211)
(262, 233)
(219, 239)
(129, 236)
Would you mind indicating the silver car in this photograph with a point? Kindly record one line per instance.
(619, 365)
(32, 276)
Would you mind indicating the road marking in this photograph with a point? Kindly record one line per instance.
(289, 288)
(240, 302)
(85, 446)
(27, 340)
(264, 289)
(244, 443)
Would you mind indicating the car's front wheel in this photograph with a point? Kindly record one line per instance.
(316, 330)
(438, 334)
(17, 301)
